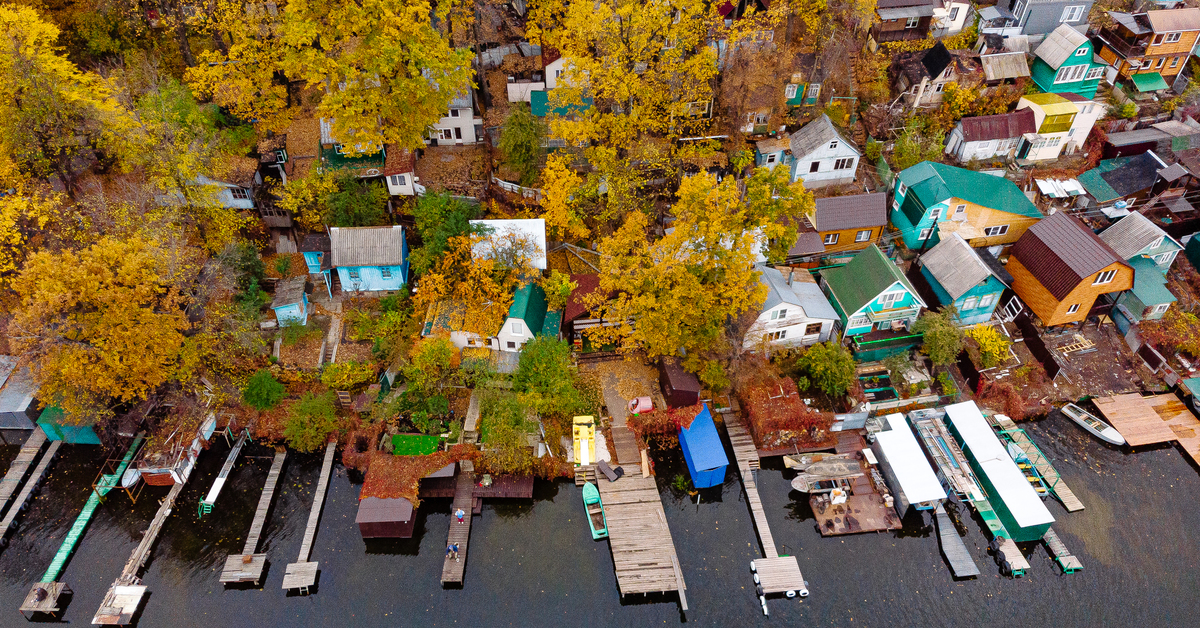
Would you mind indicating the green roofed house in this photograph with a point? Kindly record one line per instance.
(528, 317)
(1150, 251)
(1064, 62)
(539, 104)
(875, 302)
(985, 210)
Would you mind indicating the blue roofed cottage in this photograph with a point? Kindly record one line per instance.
(703, 451)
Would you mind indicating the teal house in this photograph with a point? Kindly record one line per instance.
(959, 276)
(1065, 62)
(875, 303)
(315, 248)
(369, 259)
(528, 316)
(1150, 251)
(291, 302)
(986, 210)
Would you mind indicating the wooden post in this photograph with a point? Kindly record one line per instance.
(645, 464)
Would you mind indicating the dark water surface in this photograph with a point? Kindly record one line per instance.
(534, 563)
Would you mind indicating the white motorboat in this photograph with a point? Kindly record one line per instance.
(1096, 427)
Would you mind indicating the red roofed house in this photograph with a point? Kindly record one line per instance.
(988, 137)
(399, 169)
(576, 316)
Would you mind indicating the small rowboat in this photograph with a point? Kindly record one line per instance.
(1094, 426)
(595, 511)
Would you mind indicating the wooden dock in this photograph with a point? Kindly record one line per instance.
(125, 595)
(1053, 479)
(1063, 556)
(1153, 419)
(248, 566)
(776, 574)
(953, 548)
(302, 574)
(35, 478)
(20, 466)
(643, 552)
(1011, 554)
(206, 505)
(460, 533)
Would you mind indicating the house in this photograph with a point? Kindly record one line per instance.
(1065, 62)
(703, 451)
(1150, 251)
(921, 77)
(369, 259)
(679, 387)
(1081, 128)
(959, 277)
(1125, 183)
(849, 223)
(1054, 117)
(795, 312)
(772, 151)
(234, 188)
(527, 317)
(1035, 17)
(871, 294)
(1003, 67)
(526, 234)
(399, 171)
(949, 17)
(986, 210)
(1149, 49)
(18, 390)
(989, 137)
(383, 512)
(899, 20)
(315, 248)
(821, 156)
(291, 302)
(460, 125)
(1059, 268)
(368, 162)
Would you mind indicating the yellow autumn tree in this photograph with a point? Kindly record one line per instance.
(102, 325)
(27, 210)
(561, 195)
(474, 292)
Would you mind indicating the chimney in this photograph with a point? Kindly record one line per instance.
(791, 274)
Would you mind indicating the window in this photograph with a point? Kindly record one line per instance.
(557, 74)
(954, 14)
(986, 300)
(1158, 64)
(771, 158)
(1172, 38)
(1018, 9)
(1071, 133)
(1164, 258)
(355, 275)
(816, 165)
(1157, 242)
(1090, 108)
(1081, 52)
(776, 335)
(386, 273)
(937, 89)
(843, 164)
(1072, 13)
(995, 231)
(454, 113)
(814, 90)
(1074, 308)
(1134, 64)
(895, 203)
(935, 213)
(398, 179)
(862, 236)
(457, 133)
(961, 209)
(858, 321)
(833, 145)
(925, 233)
(1174, 62)
(831, 238)
(812, 329)
(516, 328)
(447, 134)
(1104, 277)
(901, 189)
(1092, 75)
(970, 303)
(1160, 308)
(779, 314)
(889, 299)
(912, 22)
(1070, 73)
(512, 345)
(789, 92)
(1158, 39)
(240, 193)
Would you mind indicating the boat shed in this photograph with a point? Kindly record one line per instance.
(680, 388)
(385, 518)
(703, 451)
(1014, 500)
(905, 467)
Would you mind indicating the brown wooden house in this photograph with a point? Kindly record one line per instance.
(902, 19)
(1060, 267)
(849, 223)
(1151, 48)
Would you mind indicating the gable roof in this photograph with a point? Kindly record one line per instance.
(1004, 65)
(1060, 252)
(1135, 175)
(955, 265)
(807, 243)
(1129, 235)
(1059, 45)
(584, 285)
(836, 213)
(934, 182)
(806, 295)
(703, 442)
(865, 278)
(289, 292)
(998, 127)
(1137, 23)
(813, 135)
(529, 305)
(366, 246)
(1174, 20)
(936, 59)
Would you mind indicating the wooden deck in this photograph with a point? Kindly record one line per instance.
(35, 478)
(237, 568)
(743, 444)
(1063, 556)
(460, 533)
(303, 574)
(953, 548)
(1154, 419)
(1012, 554)
(1053, 479)
(643, 552)
(125, 595)
(49, 604)
(20, 466)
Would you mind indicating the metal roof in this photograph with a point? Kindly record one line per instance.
(1149, 82)
(807, 243)
(1137, 24)
(288, 292)
(1060, 45)
(864, 278)
(998, 127)
(1174, 20)
(806, 295)
(856, 211)
(376, 510)
(813, 135)
(955, 265)
(1140, 136)
(1129, 235)
(531, 229)
(704, 443)
(1004, 65)
(1052, 104)
(366, 246)
(1060, 252)
(901, 452)
(19, 387)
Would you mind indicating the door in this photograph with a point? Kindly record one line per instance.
(1023, 148)
(1012, 308)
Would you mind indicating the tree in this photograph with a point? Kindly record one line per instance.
(263, 391)
(562, 200)
(558, 287)
(305, 197)
(917, 144)
(432, 363)
(546, 377)
(438, 218)
(27, 211)
(356, 203)
(521, 142)
(828, 366)
(479, 291)
(348, 375)
(311, 419)
(943, 339)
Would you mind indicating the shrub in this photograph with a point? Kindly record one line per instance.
(873, 150)
(263, 391)
(283, 264)
(829, 366)
(294, 332)
(348, 375)
(311, 419)
(993, 345)
(943, 339)
(546, 377)
(433, 362)
(947, 383)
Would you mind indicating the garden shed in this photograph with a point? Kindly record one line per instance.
(680, 388)
(703, 451)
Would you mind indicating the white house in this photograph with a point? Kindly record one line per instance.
(821, 156)
(1061, 124)
(554, 67)
(399, 171)
(948, 18)
(988, 137)
(460, 125)
(237, 195)
(796, 312)
(1089, 112)
(530, 233)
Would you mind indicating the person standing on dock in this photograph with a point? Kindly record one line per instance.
(459, 513)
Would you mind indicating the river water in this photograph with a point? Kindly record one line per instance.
(533, 563)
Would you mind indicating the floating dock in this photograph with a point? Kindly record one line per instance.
(248, 566)
(1010, 432)
(20, 466)
(15, 506)
(953, 548)
(206, 506)
(302, 574)
(1063, 556)
(1008, 555)
(953, 469)
(1152, 419)
(460, 533)
(643, 552)
(867, 508)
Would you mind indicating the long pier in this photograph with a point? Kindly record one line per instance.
(953, 547)
(643, 552)
(1054, 481)
(248, 566)
(20, 466)
(206, 505)
(17, 505)
(775, 573)
(302, 574)
(460, 533)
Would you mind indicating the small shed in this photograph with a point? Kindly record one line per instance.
(290, 302)
(385, 518)
(703, 451)
(679, 387)
(18, 408)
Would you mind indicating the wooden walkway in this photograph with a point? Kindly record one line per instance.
(1153, 419)
(460, 533)
(20, 465)
(1017, 565)
(1066, 560)
(953, 548)
(248, 566)
(1058, 486)
(35, 478)
(776, 574)
(643, 552)
(226, 469)
(302, 574)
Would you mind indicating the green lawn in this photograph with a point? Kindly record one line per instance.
(414, 444)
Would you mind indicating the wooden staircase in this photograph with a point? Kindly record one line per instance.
(584, 474)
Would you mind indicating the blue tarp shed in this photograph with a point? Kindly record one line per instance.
(703, 451)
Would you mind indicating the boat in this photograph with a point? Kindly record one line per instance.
(595, 511)
(1094, 426)
(1027, 468)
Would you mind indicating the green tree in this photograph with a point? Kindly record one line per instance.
(311, 419)
(432, 364)
(917, 144)
(438, 218)
(829, 366)
(263, 391)
(521, 142)
(558, 287)
(546, 377)
(943, 339)
(356, 203)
